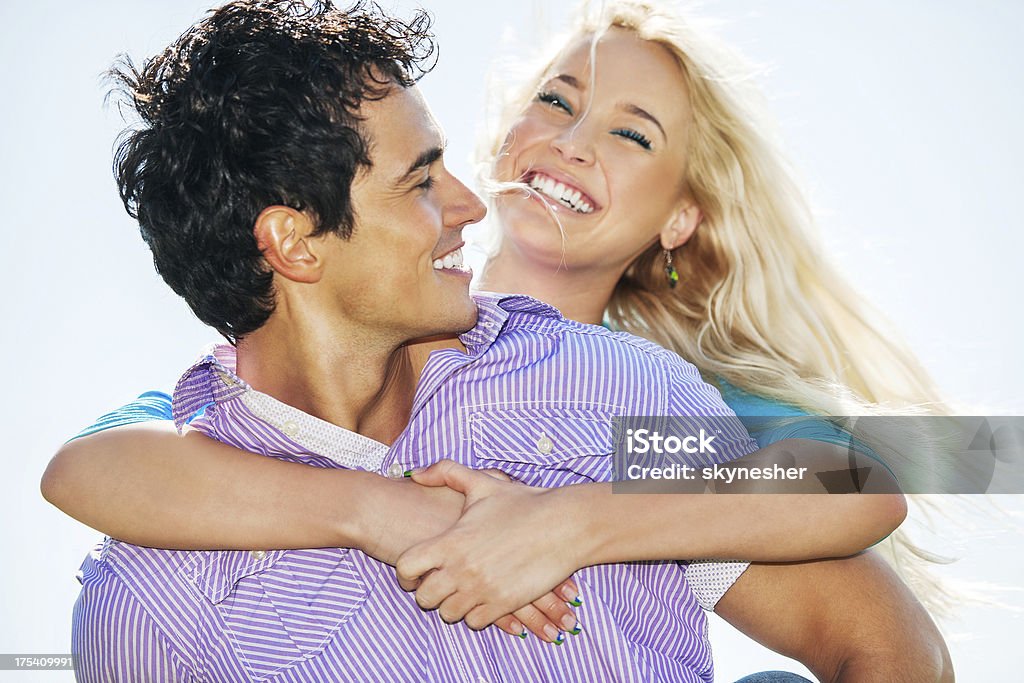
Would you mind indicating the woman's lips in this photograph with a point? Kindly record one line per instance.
(561, 191)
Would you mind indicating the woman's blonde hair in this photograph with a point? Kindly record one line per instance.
(758, 303)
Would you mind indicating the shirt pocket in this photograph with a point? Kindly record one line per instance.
(278, 607)
(542, 445)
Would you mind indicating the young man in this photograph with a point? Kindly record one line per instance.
(289, 181)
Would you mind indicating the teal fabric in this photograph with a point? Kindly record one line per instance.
(769, 421)
(152, 405)
(766, 419)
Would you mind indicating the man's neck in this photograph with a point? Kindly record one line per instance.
(358, 383)
(389, 413)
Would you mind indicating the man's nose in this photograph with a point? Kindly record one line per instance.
(466, 208)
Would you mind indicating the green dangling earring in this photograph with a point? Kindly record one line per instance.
(670, 271)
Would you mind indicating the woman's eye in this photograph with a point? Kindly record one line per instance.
(630, 134)
(554, 100)
(427, 184)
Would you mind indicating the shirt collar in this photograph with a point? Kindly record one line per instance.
(493, 313)
(211, 379)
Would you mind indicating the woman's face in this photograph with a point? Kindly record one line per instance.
(605, 152)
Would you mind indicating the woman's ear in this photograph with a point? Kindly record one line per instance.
(283, 235)
(680, 228)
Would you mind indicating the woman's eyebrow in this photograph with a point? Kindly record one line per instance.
(631, 108)
(569, 80)
(628, 107)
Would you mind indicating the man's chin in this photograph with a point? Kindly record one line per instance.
(452, 324)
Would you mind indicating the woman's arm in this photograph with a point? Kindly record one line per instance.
(146, 484)
(756, 523)
(589, 524)
(150, 486)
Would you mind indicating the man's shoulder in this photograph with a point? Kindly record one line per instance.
(534, 336)
(526, 315)
(210, 379)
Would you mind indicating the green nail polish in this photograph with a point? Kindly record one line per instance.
(560, 639)
(576, 602)
(522, 635)
(407, 474)
(576, 630)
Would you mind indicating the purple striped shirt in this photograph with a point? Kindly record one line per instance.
(534, 396)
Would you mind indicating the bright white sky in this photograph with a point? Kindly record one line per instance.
(902, 117)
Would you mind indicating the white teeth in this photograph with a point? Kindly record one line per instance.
(450, 261)
(560, 193)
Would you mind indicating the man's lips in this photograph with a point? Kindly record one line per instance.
(451, 260)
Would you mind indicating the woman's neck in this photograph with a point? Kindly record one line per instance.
(579, 294)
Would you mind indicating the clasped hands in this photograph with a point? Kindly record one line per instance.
(497, 563)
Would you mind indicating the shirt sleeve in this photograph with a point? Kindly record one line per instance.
(113, 638)
(689, 395)
(152, 405)
(693, 403)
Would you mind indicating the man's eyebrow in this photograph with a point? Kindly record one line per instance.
(422, 161)
(644, 114)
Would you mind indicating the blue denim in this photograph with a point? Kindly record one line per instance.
(773, 677)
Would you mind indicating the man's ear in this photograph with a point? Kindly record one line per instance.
(283, 235)
(680, 228)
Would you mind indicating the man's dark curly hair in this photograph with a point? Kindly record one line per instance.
(256, 105)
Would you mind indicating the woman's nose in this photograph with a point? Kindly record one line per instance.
(574, 144)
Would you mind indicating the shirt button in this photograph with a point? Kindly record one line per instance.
(544, 444)
(290, 428)
(396, 471)
(258, 554)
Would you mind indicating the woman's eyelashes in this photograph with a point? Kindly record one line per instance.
(630, 134)
(556, 101)
(426, 184)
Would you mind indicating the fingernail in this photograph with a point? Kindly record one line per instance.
(559, 640)
(569, 621)
(576, 630)
(571, 596)
(523, 634)
(522, 629)
(576, 602)
(552, 633)
(407, 474)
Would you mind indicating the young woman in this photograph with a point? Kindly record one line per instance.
(654, 201)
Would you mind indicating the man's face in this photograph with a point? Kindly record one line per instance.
(400, 274)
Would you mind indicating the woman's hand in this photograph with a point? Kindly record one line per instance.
(409, 514)
(509, 547)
